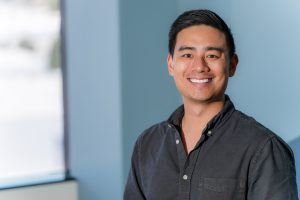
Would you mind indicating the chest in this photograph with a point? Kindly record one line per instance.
(213, 170)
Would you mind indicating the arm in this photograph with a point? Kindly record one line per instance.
(272, 173)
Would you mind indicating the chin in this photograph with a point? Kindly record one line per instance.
(207, 98)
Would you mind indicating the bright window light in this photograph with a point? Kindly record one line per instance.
(31, 104)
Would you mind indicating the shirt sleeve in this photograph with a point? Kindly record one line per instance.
(133, 190)
(272, 173)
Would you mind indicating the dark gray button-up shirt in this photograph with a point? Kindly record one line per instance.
(235, 159)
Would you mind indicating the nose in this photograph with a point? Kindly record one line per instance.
(200, 64)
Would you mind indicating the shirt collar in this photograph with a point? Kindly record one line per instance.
(228, 108)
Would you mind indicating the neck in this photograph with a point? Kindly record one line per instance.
(194, 110)
(196, 115)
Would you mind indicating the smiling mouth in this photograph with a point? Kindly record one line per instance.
(205, 80)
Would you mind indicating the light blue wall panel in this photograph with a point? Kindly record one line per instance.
(148, 93)
(94, 97)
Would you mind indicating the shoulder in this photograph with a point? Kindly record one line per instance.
(250, 127)
(154, 134)
(258, 135)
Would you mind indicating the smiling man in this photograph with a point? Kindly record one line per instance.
(207, 149)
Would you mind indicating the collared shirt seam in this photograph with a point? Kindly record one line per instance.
(257, 154)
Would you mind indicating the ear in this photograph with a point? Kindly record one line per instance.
(233, 65)
(170, 64)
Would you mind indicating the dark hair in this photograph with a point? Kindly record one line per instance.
(200, 17)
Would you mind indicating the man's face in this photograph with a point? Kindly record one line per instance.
(200, 64)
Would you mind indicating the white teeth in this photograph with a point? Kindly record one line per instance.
(199, 80)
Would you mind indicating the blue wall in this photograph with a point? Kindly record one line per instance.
(94, 97)
(118, 85)
(148, 93)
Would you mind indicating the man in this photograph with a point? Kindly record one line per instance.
(207, 149)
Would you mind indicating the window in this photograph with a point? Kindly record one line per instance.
(31, 103)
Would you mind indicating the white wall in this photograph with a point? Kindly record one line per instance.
(55, 191)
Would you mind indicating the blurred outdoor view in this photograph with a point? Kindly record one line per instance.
(31, 112)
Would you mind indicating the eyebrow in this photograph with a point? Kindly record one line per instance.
(214, 49)
(209, 48)
(182, 48)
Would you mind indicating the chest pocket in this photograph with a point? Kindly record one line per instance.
(222, 189)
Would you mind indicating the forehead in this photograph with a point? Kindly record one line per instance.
(200, 35)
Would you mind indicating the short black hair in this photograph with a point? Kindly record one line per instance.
(200, 17)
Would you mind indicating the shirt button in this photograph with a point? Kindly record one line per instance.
(177, 141)
(209, 133)
(185, 177)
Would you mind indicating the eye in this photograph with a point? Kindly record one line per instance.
(212, 56)
(187, 55)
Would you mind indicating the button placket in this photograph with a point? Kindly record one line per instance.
(185, 177)
(209, 133)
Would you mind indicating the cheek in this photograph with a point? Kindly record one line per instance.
(180, 69)
(222, 69)
(183, 62)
